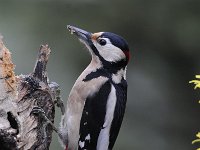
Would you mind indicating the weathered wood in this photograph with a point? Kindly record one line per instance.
(19, 129)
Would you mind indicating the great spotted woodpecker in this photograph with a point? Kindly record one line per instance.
(97, 101)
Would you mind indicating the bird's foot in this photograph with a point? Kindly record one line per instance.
(57, 99)
(39, 112)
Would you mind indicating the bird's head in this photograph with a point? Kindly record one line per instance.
(110, 49)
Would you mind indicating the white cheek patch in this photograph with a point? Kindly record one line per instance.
(110, 52)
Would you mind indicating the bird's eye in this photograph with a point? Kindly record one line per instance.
(102, 42)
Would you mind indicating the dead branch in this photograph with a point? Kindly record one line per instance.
(19, 130)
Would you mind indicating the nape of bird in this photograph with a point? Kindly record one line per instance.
(97, 101)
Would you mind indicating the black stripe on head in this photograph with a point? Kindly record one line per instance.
(119, 42)
(116, 40)
(111, 67)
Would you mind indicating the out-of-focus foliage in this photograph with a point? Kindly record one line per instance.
(163, 37)
(196, 82)
(197, 140)
(197, 85)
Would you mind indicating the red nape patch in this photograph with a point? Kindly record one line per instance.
(128, 55)
(66, 147)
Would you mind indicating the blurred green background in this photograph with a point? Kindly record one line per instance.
(164, 39)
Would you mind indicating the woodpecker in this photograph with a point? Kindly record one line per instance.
(97, 101)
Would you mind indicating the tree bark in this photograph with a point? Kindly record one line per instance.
(19, 128)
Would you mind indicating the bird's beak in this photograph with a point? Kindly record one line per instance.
(82, 34)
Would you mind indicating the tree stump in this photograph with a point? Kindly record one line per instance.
(19, 128)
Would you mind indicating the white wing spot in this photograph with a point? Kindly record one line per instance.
(81, 144)
(87, 137)
(85, 123)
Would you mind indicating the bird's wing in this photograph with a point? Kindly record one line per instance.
(119, 111)
(99, 126)
(93, 117)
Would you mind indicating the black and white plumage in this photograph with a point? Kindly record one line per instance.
(97, 101)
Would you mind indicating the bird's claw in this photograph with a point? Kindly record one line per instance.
(37, 111)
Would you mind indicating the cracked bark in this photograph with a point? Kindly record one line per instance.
(18, 95)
